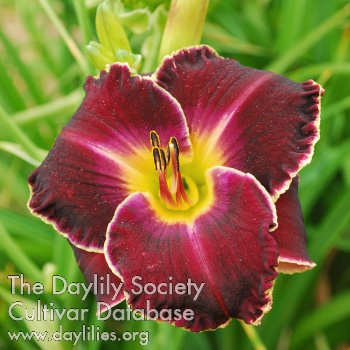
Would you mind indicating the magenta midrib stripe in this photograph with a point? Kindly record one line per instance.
(245, 94)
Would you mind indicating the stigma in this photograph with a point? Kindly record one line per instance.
(175, 196)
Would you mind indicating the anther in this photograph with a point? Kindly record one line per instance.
(173, 156)
(156, 157)
(167, 154)
(154, 138)
(161, 161)
(159, 158)
(174, 142)
(175, 146)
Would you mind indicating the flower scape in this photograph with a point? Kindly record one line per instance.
(188, 174)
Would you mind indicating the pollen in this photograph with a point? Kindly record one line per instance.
(174, 197)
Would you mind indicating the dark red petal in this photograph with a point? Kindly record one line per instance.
(120, 111)
(77, 190)
(290, 234)
(227, 246)
(106, 286)
(102, 154)
(258, 122)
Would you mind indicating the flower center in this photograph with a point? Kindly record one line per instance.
(175, 196)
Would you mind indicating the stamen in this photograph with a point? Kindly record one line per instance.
(173, 151)
(156, 157)
(161, 160)
(154, 138)
(165, 194)
(168, 154)
(173, 142)
(182, 191)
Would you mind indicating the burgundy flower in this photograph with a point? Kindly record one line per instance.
(172, 181)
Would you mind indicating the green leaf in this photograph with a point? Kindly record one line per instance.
(138, 21)
(335, 311)
(17, 150)
(110, 31)
(12, 249)
(289, 56)
(24, 71)
(19, 305)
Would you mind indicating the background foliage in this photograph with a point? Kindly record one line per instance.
(42, 69)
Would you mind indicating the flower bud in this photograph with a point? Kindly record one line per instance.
(133, 60)
(138, 21)
(99, 55)
(184, 25)
(110, 31)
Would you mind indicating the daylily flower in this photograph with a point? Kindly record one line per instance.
(176, 177)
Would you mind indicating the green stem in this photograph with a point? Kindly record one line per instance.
(18, 257)
(84, 25)
(94, 345)
(253, 336)
(63, 105)
(316, 69)
(72, 46)
(18, 135)
(23, 69)
(335, 110)
(83, 20)
(281, 64)
(184, 25)
(151, 61)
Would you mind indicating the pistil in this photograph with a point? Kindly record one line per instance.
(175, 197)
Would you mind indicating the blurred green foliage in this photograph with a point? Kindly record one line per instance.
(42, 70)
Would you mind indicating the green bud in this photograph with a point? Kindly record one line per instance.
(138, 21)
(99, 55)
(110, 31)
(133, 60)
(159, 17)
(184, 25)
(151, 4)
(151, 44)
